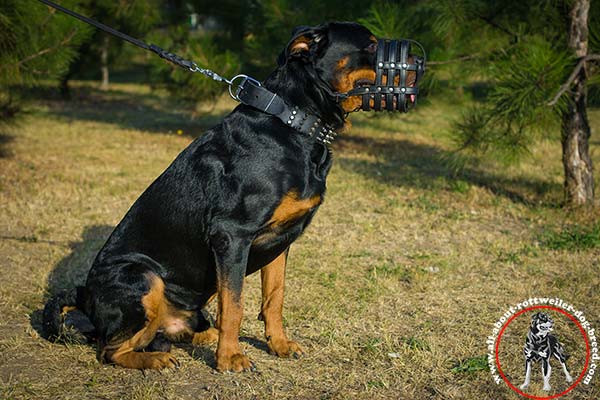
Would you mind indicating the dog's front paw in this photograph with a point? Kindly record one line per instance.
(234, 362)
(569, 378)
(283, 347)
(524, 386)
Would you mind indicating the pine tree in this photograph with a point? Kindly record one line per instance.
(527, 50)
(245, 36)
(135, 18)
(36, 43)
(579, 179)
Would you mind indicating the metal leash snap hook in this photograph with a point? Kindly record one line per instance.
(240, 87)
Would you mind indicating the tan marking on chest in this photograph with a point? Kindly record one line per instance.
(292, 207)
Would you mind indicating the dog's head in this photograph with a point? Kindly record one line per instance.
(541, 324)
(345, 55)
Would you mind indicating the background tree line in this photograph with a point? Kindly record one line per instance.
(532, 62)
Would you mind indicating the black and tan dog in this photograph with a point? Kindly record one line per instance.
(230, 204)
(541, 345)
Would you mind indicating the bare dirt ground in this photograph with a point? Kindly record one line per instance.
(392, 291)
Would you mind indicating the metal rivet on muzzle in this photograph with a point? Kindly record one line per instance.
(397, 74)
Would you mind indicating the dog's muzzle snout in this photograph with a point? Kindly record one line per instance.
(397, 75)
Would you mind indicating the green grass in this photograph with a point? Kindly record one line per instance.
(572, 238)
(391, 291)
(472, 365)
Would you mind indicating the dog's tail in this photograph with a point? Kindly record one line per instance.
(55, 312)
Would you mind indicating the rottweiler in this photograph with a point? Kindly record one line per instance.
(229, 205)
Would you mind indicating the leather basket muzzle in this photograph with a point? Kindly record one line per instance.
(397, 77)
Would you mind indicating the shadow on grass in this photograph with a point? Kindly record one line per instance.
(407, 164)
(5, 139)
(147, 112)
(71, 272)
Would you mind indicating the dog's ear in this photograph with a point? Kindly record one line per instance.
(305, 44)
(534, 318)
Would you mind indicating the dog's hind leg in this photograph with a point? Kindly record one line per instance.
(559, 353)
(546, 370)
(143, 316)
(567, 374)
(527, 375)
(563, 363)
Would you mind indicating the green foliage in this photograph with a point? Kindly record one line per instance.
(268, 26)
(386, 19)
(523, 80)
(201, 49)
(415, 343)
(135, 18)
(472, 365)
(572, 238)
(521, 51)
(35, 43)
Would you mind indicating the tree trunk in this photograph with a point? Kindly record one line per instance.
(579, 179)
(104, 63)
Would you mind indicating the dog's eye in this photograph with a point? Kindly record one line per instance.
(372, 48)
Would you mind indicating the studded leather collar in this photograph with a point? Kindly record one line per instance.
(254, 95)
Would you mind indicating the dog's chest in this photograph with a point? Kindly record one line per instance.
(286, 224)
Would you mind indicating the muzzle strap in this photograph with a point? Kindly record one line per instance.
(392, 63)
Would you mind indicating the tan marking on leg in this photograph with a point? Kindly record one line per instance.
(229, 319)
(292, 207)
(273, 278)
(67, 309)
(209, 336)
(159, 314)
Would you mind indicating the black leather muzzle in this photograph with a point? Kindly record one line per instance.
(393, 63)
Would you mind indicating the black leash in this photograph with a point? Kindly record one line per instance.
(249, 91)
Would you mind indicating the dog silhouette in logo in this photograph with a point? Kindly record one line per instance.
(541, 345)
